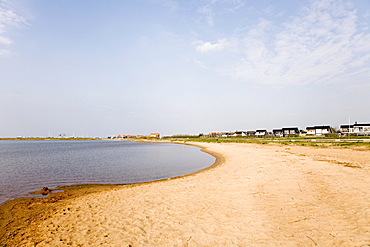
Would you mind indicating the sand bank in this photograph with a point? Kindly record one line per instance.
(261, 195)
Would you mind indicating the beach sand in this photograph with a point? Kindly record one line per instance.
(261, 195)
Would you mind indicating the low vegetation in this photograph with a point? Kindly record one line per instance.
(324, 142)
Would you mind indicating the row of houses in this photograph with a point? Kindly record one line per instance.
(318, 130)
(359, 129)
(151, 135)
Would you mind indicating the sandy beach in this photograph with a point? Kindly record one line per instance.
(260, 195)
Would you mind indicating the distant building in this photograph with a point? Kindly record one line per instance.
(278, 132)
(240, 133)
(217, 134)
(311, 130)
(319, 130)
(361, 129)
(261, 133)
(228, 134)
(302, 132)
(122, 136)
(251, 133)
(290, 131)
(225, 134)
(156, 135)
(346, 128)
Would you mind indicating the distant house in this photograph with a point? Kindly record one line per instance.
(156, 135)
(319, 130)
(217, 134)
(278, 132)
(232, 134)
(323, 130)
(361, 129)
(228, 134)
(261, 133)
(302, 132)
(122, 136)
(346, 128)
(241, 133)
(251, 133)
(290, 131)
(311, 131)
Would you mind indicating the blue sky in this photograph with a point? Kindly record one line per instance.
(97, 68)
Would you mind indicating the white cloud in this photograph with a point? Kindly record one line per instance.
(208, 46)
(198, 63)
(235, 5)
(208, 14)
(322, 43)
(4, 52)
(5, 40)
(209, 11)
(8, 19)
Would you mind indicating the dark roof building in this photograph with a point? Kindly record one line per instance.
(319, 130)
(289, 131)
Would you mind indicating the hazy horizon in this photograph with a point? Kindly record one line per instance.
(100, 68)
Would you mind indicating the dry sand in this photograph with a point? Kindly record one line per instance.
(261, 195)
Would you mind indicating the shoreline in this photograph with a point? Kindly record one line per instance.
(260, 195)
(57, 189)
(15, 212)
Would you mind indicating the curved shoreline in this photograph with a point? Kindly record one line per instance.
(262, 195)
(56, 188)
(16, 213)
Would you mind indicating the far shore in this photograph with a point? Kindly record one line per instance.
(256, 195)
(47, 138)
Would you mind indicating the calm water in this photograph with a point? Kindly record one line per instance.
(27, 166)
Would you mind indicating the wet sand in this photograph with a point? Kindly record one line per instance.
(261, 195)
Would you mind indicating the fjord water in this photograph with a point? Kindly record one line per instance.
(28, 166)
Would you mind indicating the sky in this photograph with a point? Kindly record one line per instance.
(101, 68)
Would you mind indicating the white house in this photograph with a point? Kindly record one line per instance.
(346, 128)
(261, 133)
(290, 131)
(318, 130)
(241, 133)
(311, 130)
(356, 128)
(251, 133)
(361, 129)
(278, 132)
(323, 130)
